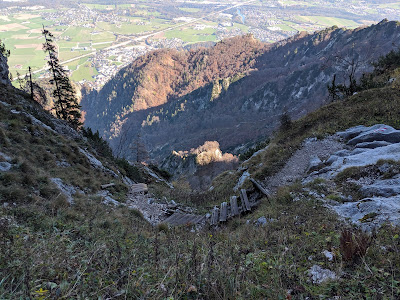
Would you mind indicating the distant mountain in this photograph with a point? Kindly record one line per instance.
(233, 92)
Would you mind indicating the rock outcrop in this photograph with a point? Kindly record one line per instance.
(200, 165)
(370, 165)
(4, 74)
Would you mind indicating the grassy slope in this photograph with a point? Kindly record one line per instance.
(89, 250)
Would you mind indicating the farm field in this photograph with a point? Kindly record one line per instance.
(95, 39)
(329, 21)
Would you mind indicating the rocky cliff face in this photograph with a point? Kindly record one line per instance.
(4, 75)
(233, 108)
(199, 166)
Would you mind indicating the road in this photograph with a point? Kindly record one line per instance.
(140, 38)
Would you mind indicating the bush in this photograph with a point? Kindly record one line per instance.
(252, 150)
(97, 142)
(131, 171)
(163, 173)
(353, 245)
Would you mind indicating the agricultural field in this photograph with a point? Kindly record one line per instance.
(328, 21)
(95, 40)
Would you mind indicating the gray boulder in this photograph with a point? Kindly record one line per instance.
(355, 131)
(371, 212)
(378, 132)
(367, 157)
(5, 166)
(262, 221)
(384, 188)
(373, 145)
(314, 164)
(319, 275)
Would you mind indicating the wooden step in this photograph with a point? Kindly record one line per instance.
(234, 206)
(139, 188)
(224, 212)
(214, 216)
(245, 201)
(259, 186)
(179, 218)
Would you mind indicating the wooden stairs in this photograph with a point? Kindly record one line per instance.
(221, 214)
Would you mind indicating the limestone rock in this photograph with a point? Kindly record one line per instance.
(384, 188)
(67, 190)
(5, 166)
(262, 221)
(319, 275)
(378, 132)
(373, 145)
(372, 211)
(314, 164)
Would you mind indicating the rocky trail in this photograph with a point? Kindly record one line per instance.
(308, 158)
(151, 210)
(371, 157)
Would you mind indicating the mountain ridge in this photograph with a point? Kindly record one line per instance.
(292, 75)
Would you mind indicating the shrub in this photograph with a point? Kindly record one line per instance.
(131, 171)
(163, 173)
(97, 142)
(353, 245)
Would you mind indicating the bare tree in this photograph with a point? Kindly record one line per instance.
(139, 151)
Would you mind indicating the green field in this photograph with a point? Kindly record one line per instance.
(328, 21)
(285, 27)
(132, 28)
(294, 2)
(390, 5)
(191, 35)
(189, 9)
(85, 71)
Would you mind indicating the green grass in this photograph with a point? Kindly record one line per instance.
(390, 5)
(285, 27)
(190, 9)
(85, 71)
(329, 21)
(244, 28)
(191, 35)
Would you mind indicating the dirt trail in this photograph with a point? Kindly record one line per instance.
(298, 164)
(152, 211)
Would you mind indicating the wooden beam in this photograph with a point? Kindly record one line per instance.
(234, 206)
(259, 186)
(214, 216)
(245, 200)
(139, 188)
(104, 186)
(224, 212)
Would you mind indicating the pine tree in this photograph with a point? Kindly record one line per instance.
(66, 104)
(3, 50)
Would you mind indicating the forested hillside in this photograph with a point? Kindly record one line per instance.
(231, 93)
(165, 75)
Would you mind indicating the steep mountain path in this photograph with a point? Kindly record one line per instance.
(152, 211)
(298, 164)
